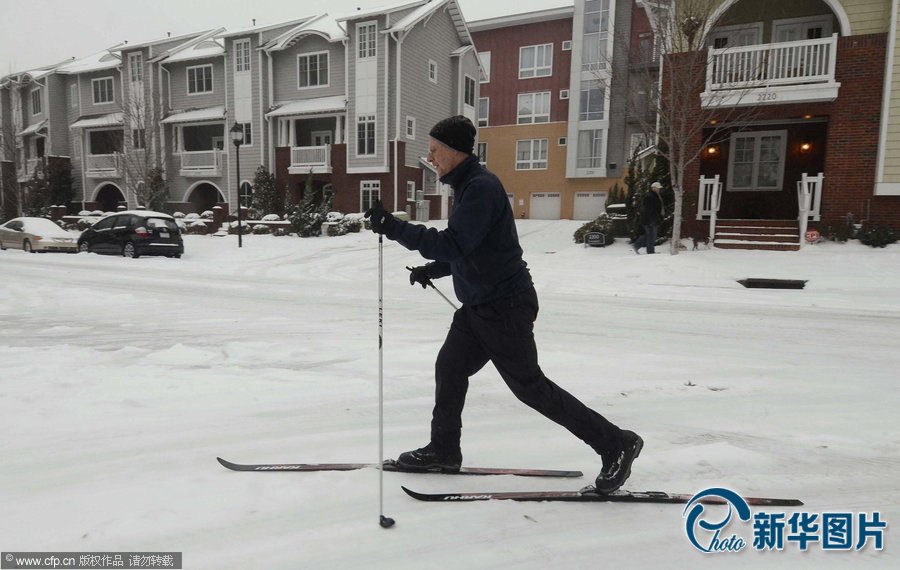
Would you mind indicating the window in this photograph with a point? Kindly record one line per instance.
(561, 141)
(596, 34)
(312, 70)
(241, 56)
(136, 67)
(176, 147)
(103, 90)
(563, 94)
(593, 101)
(246, 194)
(200, 79)
(365, 135)
(469, 97)
(757, 160)
(484, 111)
(366, 39)
(248, 133)
(482, 152)
(590, 149)
(369, 190)
(534, 108)
(535, 61)
(567, 45)
(531, 154)
(432, 71)
(73, 95)
(138, 139)
(485, 57)
(410, 191)
(411, 128)
(646, 50)
(36, 106)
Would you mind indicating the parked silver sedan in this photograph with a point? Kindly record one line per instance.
(36, 234)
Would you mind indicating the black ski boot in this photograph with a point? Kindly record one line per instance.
(430, 458)
(617, 465)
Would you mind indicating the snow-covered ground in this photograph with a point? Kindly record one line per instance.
(122, 380)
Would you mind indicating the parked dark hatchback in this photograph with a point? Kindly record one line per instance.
(133, 233)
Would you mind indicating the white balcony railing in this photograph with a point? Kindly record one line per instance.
(201, 163)
(769, 65)
(103, 165)
(310, 156)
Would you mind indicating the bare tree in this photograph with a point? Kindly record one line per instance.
(663, 91)
(143, 157)
(10, 154)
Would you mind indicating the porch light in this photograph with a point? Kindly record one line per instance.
(805, 147)
(237, 137)
(237, 134)
(712, 150)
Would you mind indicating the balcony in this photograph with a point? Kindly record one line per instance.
(103, 165)
(772, 74)
(198, 164)
(306, 159)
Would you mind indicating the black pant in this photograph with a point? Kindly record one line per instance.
(502, 332)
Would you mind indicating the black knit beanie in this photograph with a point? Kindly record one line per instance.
(456, 132)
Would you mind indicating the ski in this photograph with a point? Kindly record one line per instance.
(391, 465)
(589, 495)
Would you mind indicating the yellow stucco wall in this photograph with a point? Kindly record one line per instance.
(501, 160)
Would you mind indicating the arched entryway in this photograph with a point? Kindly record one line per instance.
(108, 196)
(204, 196)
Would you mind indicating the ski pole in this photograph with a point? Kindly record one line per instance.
(430, 284)
(385, 522)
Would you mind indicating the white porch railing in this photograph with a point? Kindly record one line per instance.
(710, 201)
(103, 164)
(809, 201)
(306, 156)
(201, 163)
(767, 65)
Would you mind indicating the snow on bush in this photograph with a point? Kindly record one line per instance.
(271, 218)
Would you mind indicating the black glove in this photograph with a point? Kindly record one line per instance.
(382, 222)
(419, 275)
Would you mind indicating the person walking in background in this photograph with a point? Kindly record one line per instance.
(651, 216)
(480, 249)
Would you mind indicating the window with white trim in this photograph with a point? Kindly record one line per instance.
(533, 108)
(536, 61)
(756, 160)
(365, 135)
(36, 106)
(567, 45)
(103, 90)
(531, 154)
(200, 79)
(241, 55)
(312, 70)
(136, 67)
(563, 94)
(366, 40)
(432, 71)
(590, 149)
(485, 57)
(248, 134)
(410, 191)
(593, 101)
(73, 95)
(482, 152)
(484, 111)
(411, 128)
(469, 90)
(369, 192)
(595, 35)
(561, 141)
(138, 139)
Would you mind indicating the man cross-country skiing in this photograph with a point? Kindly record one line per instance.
(480, 249)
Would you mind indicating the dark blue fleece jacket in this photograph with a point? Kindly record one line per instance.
(480, 247)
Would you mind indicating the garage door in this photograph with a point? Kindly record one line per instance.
(545, 206)
(589, 205)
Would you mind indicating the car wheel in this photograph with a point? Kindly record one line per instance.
(83, 247)
(26, 245)
(128, 250)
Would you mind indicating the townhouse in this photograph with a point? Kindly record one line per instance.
(554, 119)
(821, 147)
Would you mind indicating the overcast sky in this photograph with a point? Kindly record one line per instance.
(35, 33)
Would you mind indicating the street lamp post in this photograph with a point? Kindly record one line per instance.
(237, 137)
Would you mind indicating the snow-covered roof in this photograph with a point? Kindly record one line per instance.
(147, 43)
(99, 61)
(216, 113)
(108, 120)
(378, 11)
(324, 25)
(198, 47)
(263, 28)
(310, 106)
(535, 17)
(426, 10)
(32, 129)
